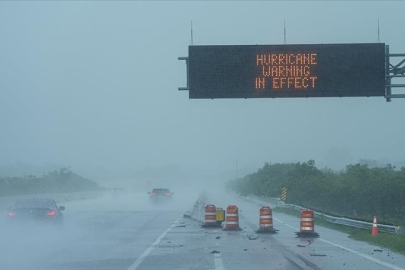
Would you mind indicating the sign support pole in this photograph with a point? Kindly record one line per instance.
(391, 72)
(387, 74)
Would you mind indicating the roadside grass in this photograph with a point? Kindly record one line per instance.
(394, 242)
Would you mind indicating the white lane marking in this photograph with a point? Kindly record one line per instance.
(219, 265)
(218, 262)
(285, 224)
(364, 255)
(350, 250)
(143, 256)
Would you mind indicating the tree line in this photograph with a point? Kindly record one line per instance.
(357, 192)
(58, 181)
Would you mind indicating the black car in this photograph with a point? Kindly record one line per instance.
(160, 195)
(36, 210)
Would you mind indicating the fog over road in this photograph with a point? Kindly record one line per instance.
(130, 233)
(93, 85)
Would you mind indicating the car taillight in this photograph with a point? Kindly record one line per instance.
(153, 194)
(168, 194)
(51, 213)
(11, 214)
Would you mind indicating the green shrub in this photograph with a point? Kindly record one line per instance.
(358, 191)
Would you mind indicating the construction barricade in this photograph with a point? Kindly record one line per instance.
(210, 216)
(307, 224)
(266, 220)
(232, 218)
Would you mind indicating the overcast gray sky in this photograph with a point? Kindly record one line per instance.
(93, 85)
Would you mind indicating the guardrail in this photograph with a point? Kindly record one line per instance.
(345, 221)
(332, 219)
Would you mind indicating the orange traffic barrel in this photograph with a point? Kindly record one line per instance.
(210, 216)
(232, 218)
(307, 224)
(266, 220)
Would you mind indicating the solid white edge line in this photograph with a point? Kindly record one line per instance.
(391, 266)
(143, 256)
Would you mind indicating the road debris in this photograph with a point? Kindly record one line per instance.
(305, 245)
(317, 254)
(215, 251)
(252, 236)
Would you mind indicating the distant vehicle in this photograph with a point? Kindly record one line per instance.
(160, 195)
(36, 210)
(117, 192)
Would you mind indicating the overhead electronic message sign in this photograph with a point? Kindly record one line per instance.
(271, 71)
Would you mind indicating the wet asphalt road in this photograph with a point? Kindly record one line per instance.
(132, 234)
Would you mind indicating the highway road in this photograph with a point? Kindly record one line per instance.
(130, 233)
